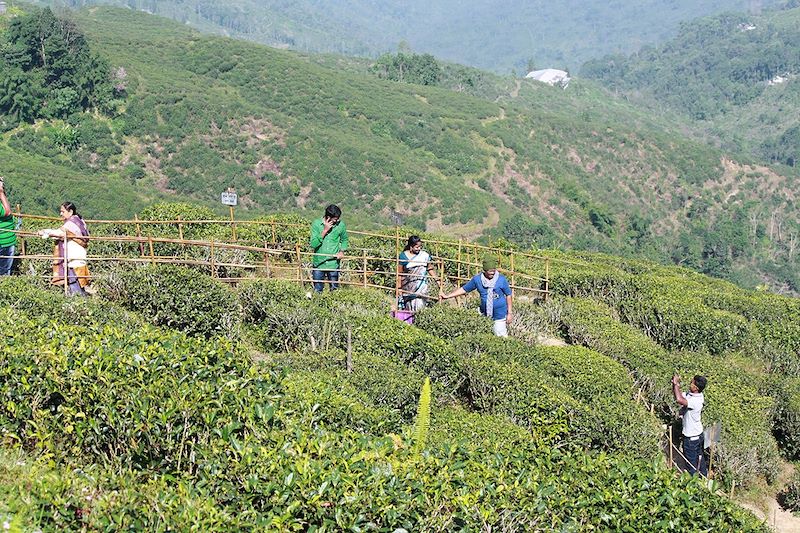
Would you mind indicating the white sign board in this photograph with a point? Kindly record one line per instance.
(230, 198)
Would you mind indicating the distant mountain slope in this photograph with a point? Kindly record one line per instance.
(539, 166)
(737, 74)
(491, 34)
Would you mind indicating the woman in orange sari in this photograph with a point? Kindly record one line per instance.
(70, 253)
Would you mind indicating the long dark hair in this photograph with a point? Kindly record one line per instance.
(69, 206)
(412, 241)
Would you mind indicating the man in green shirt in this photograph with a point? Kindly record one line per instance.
(329, 241)
(8, 239)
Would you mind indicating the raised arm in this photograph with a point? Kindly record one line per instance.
(676, 390)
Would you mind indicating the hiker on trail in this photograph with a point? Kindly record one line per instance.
(691, 403)
(495, 294)
(329, 241)
(74, 250)
(416, 270)
(8, 239)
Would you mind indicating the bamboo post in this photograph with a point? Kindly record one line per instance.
(233, 224)
(710, 461)
(460, 244)
(20, 237)
(274, 237)
(211, 253)
(65, 266)
(349, 351)
(266, 258)
(180, 236)
(671, 445)
(397, 267)
(364, 273)
(513, 283)
(152, 255)
(299, 263)
(442, 275)
(139, 235)
(546, 278)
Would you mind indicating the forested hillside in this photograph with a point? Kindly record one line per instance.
(490, 34)
(737, 75)
(193, 115)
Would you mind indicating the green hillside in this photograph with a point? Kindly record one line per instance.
(538, 166)
(174, 401)
(493, 35)
(735, 74)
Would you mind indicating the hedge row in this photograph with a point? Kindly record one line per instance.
(748, 449)
(244, 449)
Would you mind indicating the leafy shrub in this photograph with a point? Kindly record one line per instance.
(377, 380)
(92, 393)
(189, 425)
(339, 404)
(748, 449)
(786, 417)
(451, 322)
(789, 497)
(33, 297)
(453, 424)
(591, 393)
(176, 297)
(392, 339)
(284, 229)
(678, 322)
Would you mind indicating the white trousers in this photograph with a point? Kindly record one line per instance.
(500, 328)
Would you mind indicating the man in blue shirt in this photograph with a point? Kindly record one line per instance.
(495, 295)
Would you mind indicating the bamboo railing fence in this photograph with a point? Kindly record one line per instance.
(371, 261)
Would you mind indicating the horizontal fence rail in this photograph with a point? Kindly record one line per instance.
(372, 260)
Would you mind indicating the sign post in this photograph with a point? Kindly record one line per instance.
(230, 199)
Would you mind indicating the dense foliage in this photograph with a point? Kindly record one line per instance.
(141, 428)
(48, 70)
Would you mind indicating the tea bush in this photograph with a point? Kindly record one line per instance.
(378, 381)
(188, 426)
(33, 297)
(176, 297)
(594, 392)
(90, 393)
(786, 417)
(339, 403)
(389, 338)
(748, 449)
(451, 322)
(681, 322)
(776, 318)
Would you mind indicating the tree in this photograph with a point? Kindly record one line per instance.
(48, 70)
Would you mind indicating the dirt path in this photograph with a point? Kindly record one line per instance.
(778, 519)
(767, 508)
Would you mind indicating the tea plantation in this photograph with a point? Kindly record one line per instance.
(173, 401)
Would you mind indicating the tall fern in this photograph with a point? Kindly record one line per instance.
(423, 418)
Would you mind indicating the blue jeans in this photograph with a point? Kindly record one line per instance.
(6, 262)
(693, 450)
(319, 275)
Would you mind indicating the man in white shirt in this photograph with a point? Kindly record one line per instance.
(692, 405)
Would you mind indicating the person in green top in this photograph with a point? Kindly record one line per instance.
(8, 239)
(329, 241)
